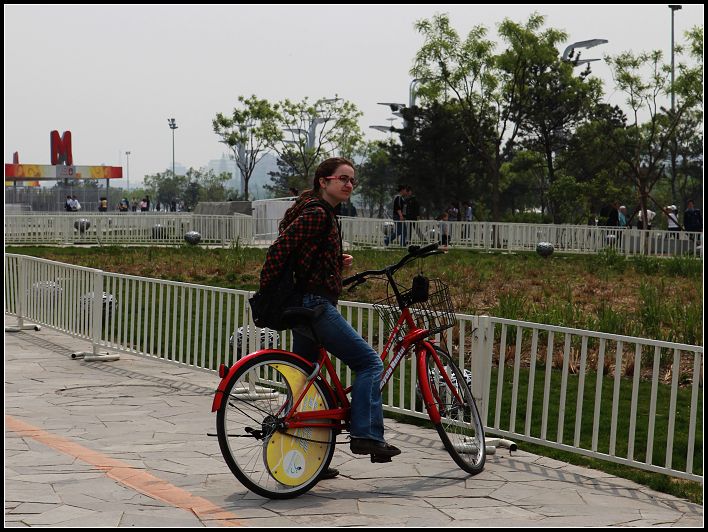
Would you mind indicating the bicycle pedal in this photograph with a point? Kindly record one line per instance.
(380, 459)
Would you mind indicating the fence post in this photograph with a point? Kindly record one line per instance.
(96, 323)
(96, 310)
(481, 364)
(21, 298)
(233, 228)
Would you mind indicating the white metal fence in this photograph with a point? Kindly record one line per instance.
(121, 229)
(627, 400)
(169, 228)
(521, 237)
(597, 394)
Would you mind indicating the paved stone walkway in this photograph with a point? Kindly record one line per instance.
(125, 443)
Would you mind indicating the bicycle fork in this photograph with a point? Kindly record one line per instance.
(430, 395)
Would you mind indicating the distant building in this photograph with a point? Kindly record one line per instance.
(260, 177)
(226, 165)
(179, 169)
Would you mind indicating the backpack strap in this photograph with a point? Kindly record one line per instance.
(323, 237)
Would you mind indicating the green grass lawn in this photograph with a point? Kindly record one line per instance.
(602, 292)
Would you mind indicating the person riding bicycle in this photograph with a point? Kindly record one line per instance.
(310, 232)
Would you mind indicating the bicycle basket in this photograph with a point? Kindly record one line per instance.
(435, 314)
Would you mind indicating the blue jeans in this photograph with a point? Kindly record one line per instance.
(401, 232)
(340, 339)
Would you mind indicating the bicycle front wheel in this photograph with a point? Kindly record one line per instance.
(460, 427)
(268, 459)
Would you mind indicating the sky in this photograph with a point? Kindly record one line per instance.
(113, 75)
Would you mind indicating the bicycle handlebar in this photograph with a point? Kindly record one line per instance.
(414, 252)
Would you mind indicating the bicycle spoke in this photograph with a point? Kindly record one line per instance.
(248, 415)
(460, 427)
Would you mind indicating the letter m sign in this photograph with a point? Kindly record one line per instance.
(61, 148)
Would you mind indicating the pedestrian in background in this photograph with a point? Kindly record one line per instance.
(672, 222)
(692, 220)
(398, 215)
(640, 222)
(444, 230)
(623, 216)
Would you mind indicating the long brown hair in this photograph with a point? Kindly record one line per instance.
(325, 169)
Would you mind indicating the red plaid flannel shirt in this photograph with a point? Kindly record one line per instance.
(319, 260)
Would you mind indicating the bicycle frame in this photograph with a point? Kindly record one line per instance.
(339, 417)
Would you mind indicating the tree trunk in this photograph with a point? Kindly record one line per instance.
(553, 207)
(496, 211)
(643, 208)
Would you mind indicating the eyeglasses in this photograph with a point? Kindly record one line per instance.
(344, 179)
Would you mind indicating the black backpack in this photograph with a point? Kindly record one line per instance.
(268, 305)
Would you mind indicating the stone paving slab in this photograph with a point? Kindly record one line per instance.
(153, 418)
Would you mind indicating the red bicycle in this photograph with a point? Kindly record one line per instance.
(278, 417)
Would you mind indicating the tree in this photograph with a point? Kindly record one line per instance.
(248, 133)
(326, 128)
(491, 89)
(212, 187)
(378, 178)
(689, 152)
(524, 183)
(434, 157)
(166, 187)
(590, 161)
(555, 104)
(689, 83)
(191, 195)
(644, 147)
(287, 176)
(687, 145)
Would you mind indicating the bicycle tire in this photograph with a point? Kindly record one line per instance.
(270, 461)
(460, 428)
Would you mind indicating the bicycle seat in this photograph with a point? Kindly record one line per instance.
(301, 316)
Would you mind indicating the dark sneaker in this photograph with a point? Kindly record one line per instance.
(375, 448)
(328, 473)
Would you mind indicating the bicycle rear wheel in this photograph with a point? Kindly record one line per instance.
(268, 459)
(460, 427)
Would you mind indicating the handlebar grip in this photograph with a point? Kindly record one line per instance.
(427, 249)
(350, 280)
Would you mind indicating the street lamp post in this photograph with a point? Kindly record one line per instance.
(173, 126)
(674, 8)
(569, 52)
(391, 128)
(412, 94)
(127, 158)
(387, 129)
(311, 131)
(396, 108)
(383, 129)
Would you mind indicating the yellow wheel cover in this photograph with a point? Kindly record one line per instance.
(290, 456)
